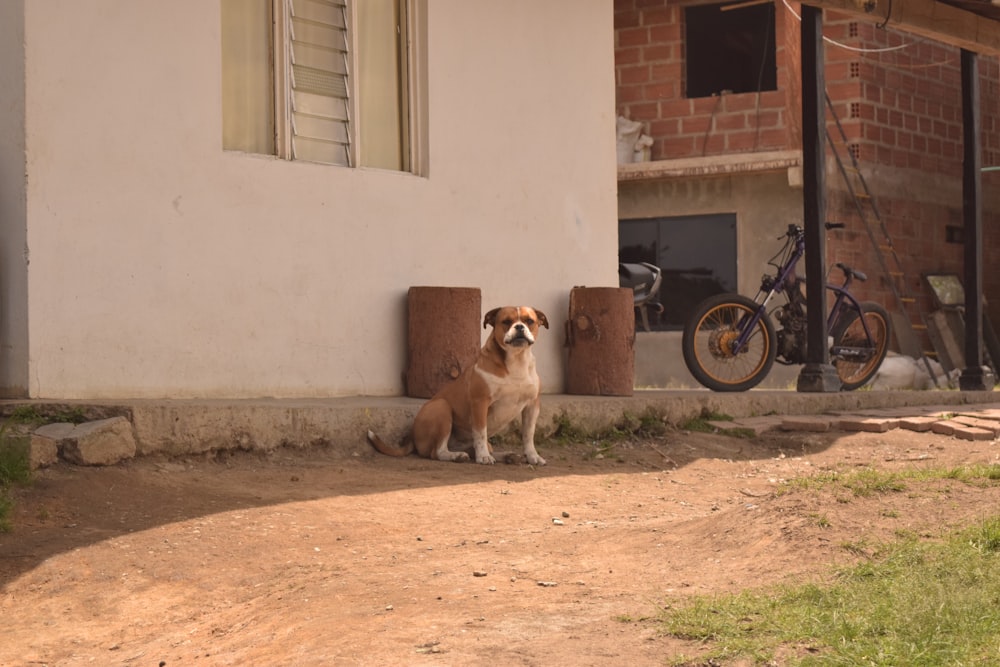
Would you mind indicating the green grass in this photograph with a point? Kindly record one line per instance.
(646, 425)
(867, 482)
(701, 424)
(912, 602)
(15, 468)
(36, 415)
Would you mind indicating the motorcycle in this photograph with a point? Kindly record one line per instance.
(644, 279)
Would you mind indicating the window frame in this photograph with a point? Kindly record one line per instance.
(405, 147)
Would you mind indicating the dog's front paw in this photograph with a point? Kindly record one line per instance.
(487, 460)
(535, 459)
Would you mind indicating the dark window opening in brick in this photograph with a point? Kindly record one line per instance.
(729, 51)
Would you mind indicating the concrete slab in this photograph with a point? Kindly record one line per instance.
(187, 427)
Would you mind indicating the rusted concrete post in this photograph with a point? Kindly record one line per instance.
(600, 335)
(443, 336)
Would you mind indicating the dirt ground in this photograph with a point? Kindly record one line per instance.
(312, 558)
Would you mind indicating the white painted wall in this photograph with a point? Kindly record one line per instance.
(162, 266)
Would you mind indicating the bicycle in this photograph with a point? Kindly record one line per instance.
(731, 344)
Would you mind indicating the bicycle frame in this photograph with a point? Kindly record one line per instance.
(786, 276)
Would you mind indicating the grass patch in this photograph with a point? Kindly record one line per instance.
(868, 482)
(15, 468)
(608, 442)
(702, 424)
(913, 601)
(630, 426)
(37, 415)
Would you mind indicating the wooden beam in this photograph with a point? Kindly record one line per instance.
(927, 18)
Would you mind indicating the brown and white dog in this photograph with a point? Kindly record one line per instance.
(485, 398)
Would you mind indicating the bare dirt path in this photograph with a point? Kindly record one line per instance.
(302, 558)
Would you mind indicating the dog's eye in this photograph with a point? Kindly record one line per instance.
(507, 322)
(529, 321)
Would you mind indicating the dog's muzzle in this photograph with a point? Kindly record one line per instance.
(519, 335)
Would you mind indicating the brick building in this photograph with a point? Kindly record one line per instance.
(718, 91)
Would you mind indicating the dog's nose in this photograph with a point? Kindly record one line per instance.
(519, 326)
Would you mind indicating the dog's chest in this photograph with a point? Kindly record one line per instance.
(510, 394)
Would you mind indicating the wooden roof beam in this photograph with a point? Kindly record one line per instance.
(927, 18)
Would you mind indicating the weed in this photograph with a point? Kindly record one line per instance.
(647, 425)
(15, 468)
(5, 507)
(868, 482)
(26, 414)
(702, 424)
(565, 431)
(35, 414)
(15, 465)
(985, 537)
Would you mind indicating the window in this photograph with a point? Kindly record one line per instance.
(730, 48)
(696, 253)
(318, 80)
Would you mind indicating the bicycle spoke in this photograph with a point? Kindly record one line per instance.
(860, 357)
(714, 346)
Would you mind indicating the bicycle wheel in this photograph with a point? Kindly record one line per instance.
(857, 358)
(708, 339)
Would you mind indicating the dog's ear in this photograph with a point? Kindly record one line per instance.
(491, 318)
(544, 321)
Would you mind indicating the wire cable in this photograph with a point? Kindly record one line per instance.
(856, 49)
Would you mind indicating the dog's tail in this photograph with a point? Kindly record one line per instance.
(404, 449)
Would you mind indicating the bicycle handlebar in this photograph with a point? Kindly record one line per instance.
(796, 230)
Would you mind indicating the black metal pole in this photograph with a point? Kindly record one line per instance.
(973, 377)
(818, 374)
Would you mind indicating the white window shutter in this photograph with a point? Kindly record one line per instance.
(318, 81)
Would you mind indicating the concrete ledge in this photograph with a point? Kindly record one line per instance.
(181, 427)
(737, 163)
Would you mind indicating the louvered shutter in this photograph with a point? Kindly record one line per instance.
(320, 118)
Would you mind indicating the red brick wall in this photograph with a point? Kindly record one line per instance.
(902, 111)
(899, 107)
(649, 63)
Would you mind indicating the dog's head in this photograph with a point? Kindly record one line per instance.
(515, 326)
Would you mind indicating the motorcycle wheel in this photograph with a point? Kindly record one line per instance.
(707, 344)
(849, 332)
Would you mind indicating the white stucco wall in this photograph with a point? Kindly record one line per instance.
(162, 266)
